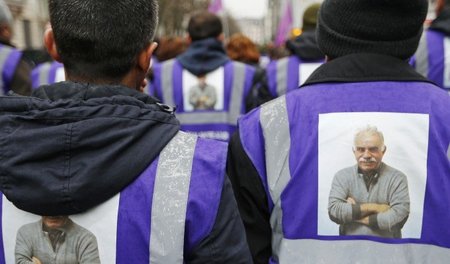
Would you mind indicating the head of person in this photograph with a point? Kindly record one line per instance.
(54, 222)
(203, 25)
(369, 149)
(388, 27)
(441, 5)
(241, 48)
(6, 21)
(310, 17)
(170, 47)
(102, 41)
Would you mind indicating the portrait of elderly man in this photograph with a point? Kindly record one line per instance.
(55, 239)
(371, 197)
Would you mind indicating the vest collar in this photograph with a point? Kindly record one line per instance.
(365, 67)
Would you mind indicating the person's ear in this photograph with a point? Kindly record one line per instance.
(145, 57)
(5, 32)
(384, 150)
(50, 44)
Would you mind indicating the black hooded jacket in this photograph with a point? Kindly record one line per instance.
(62, 157)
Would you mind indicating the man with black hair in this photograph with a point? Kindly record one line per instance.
(95, 141)
(236, 87)
(14, 69)
(278, 157)
(430, 59)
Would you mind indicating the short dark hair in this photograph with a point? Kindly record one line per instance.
(204, 25)
(101, 39)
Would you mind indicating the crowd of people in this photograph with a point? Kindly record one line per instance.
(191, 150)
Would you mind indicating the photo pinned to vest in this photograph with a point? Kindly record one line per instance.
(203, 93)
(372, 174)
(84, 238)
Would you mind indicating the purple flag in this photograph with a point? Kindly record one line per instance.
(215, 6)
(285, 25)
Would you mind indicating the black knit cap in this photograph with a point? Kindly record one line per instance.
(391, 27)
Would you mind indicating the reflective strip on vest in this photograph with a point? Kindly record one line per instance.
(422, 56)
(448, 150)
(170, 198)
(4, 54)
(167, 83)
(212, 117)
(275, 126)
(359, 251)
(282, 71)
(446, 74)
(44, 71)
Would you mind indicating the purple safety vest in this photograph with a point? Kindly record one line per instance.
(217, 124)
(287, 74)
(430, 58)
(169, 209)
(308, 137)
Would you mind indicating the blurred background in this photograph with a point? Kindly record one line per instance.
(267, 22)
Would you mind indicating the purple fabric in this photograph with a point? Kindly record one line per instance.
(292, 77)
(208, 172)
(2, 249)
(253, 143)
(285, 25)
(209, 127)
(35, 76)
(215, 6)
(134, 219)
(10, 68)
(436, 60)
(271, 70)
(177, 78)
(228, 84)
(396, 97)
(157, 81)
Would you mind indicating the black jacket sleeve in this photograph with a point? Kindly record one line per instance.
(21, 80)
(252, 201)
(226, 243)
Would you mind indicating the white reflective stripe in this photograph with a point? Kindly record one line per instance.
(360, 251)
(422, 56)
(305, 70)
(446, 77)
(448, 152)
(167, 82)
(198, 118)
(43, 73)
(4, 53)
(237, 92)
(60, 75)
(275, 126)
(282, 72)
(170, 198)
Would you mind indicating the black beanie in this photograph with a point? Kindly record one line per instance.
(390, 27)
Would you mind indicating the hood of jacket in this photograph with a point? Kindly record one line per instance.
(305, 47)
(203, 56)
(73, 146)
(442, 22)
